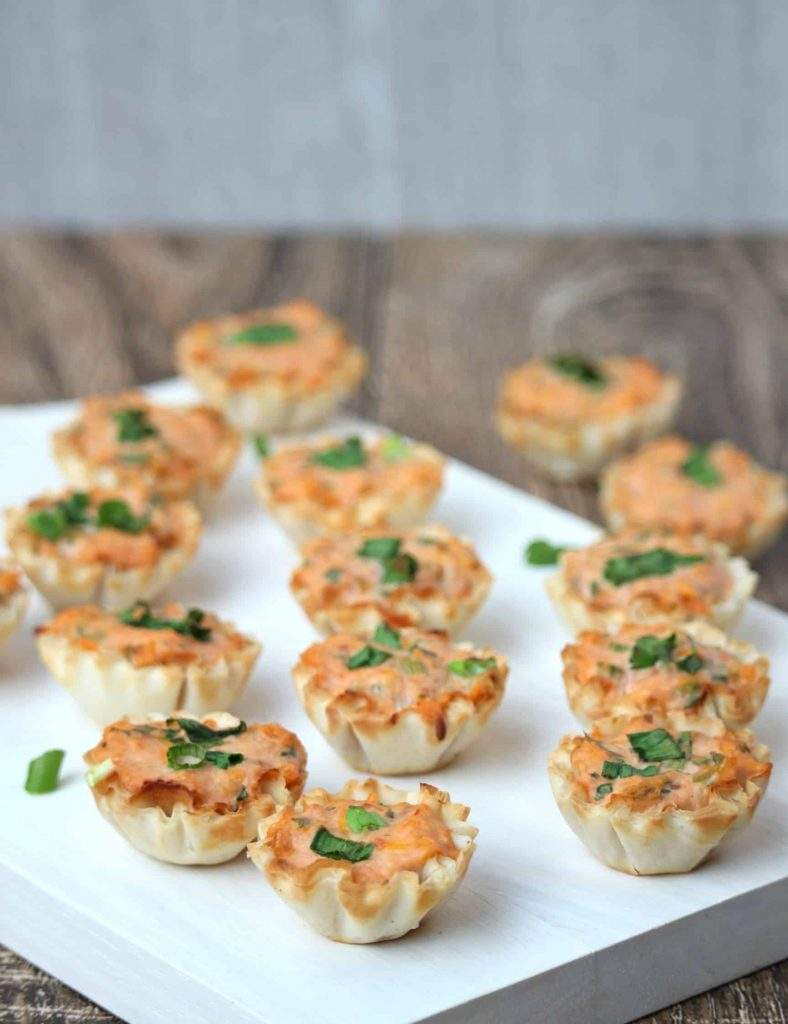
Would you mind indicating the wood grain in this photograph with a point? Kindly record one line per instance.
(441, 318)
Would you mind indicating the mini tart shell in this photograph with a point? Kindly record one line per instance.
(654, 841)
(107, 686)
(186, 836)
(203, 489)
(760, 533)
(12, 611)
(64, 582)
(579, 452)
(577, 614)
(375, 911)
(736, 706)
(412, 739)
(401, 607)
(273, 404)
(304, 520)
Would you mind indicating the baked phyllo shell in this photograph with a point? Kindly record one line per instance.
(693, 670)
(112, 668)
(105, 566)
(636, 829)
(273, 388)
(716, 490)
(13, 601)
(189, 454)
(382, 897)
(204, 815)
(309, 498)
(344, 592)
(715, 589)
(569, 431)
(412, 705)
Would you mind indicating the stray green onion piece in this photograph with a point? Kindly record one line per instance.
(692, 664)
(43, 772)
(379, 548)
(468, 667)
(140, 616)
(133, 425)
(117, 515)
(360, 819)
(387, 636)
(650, 649)
(656, 562)
(657, 745)
(394, 448)
(367, 657)
(582, 370)
(263, 334)
(699, 467)
(97, 772)
(347, 455)
(198, 732)
(325, 844)
(542, 552)
(603, 790)
(260, 445)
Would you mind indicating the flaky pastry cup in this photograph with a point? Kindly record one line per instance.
(64, 582)
(12, 607)
(266, 398)
(418, 737)
(324, 893)
(654, 841)
(107, 685)
(176, 832)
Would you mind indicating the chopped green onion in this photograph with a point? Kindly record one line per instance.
(622, 770)
(43, 772)
(333, 575)
(542, 552)
(468, 667)
(690, 692)
(140, 616)
(117, 515)
(336, 848)
(650, 649)
(56, 520)
(655, 745)
(387, 636)
(380, 548)
(133, 425)
(699, 467)
(263, 334)
(603, 790)
(367, 657)
(347, 455)
(260, 445)
(583, 370)
(97, 772)
(657, 562)
(360, 819)
(185, 755)
(692, 664)
(198, 732)
(400, 569)
(223, 758)
(394, 448)
(412, 666)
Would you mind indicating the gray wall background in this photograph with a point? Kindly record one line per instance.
(546, 114)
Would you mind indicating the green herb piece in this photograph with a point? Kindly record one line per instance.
(657, 562)
(684, 740)
(333, 575)
(133, 425)
(603, 790)
(699, 467)
(198, 732)
(117, 515)
(140, 616)
(400, 569)
(288, 752)
(223, 758)
(43, 772)
(650, 649)
(100, 771)
(412, 666)
(260, 445)
(56, 520)
(394, 448)
(655, 745)
(690, 693)
(347, 455)
(367, 657)
(387, 636)
(468, 667)
(692, 664)
(325, 844)
(185, 755)
(614, 646)
(622, 770)
(359, 819)
(263, 334)
(542, 552)
(583, 370)
(380, 548)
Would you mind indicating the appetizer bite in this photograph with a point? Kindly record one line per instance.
(644, 576)
(649, 801)
(716, 490)
(406, 701)
(176, 452)
(367, 863)
(144, 660)
(193, 790)
(111, 547)
(569, 415)
(272, 370)
(13, 600)
(422, 577)
(691, 671)
(333, 486)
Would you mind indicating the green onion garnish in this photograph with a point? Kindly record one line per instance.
(260, 445)
(699, 467)
(56, 520)
(263, 334)
(649, 649)
(603, 790)
(542, 552)
(201, 733)
(336, 848)
(360, 819)
(657, 562)
(468, 667)
(387, 636)
(43, 772)
(133, 425)
(658, 745)
(367, 657)
(394, 448)
(622, 770)
(347, 455)
(692, 664)
(117, 515)
(380, 548)
(140, 616)
(582, 370)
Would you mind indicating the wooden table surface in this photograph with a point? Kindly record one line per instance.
(440, 317)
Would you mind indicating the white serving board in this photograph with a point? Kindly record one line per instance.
(538, 932)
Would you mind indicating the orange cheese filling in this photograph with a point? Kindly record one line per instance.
(10, 582)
